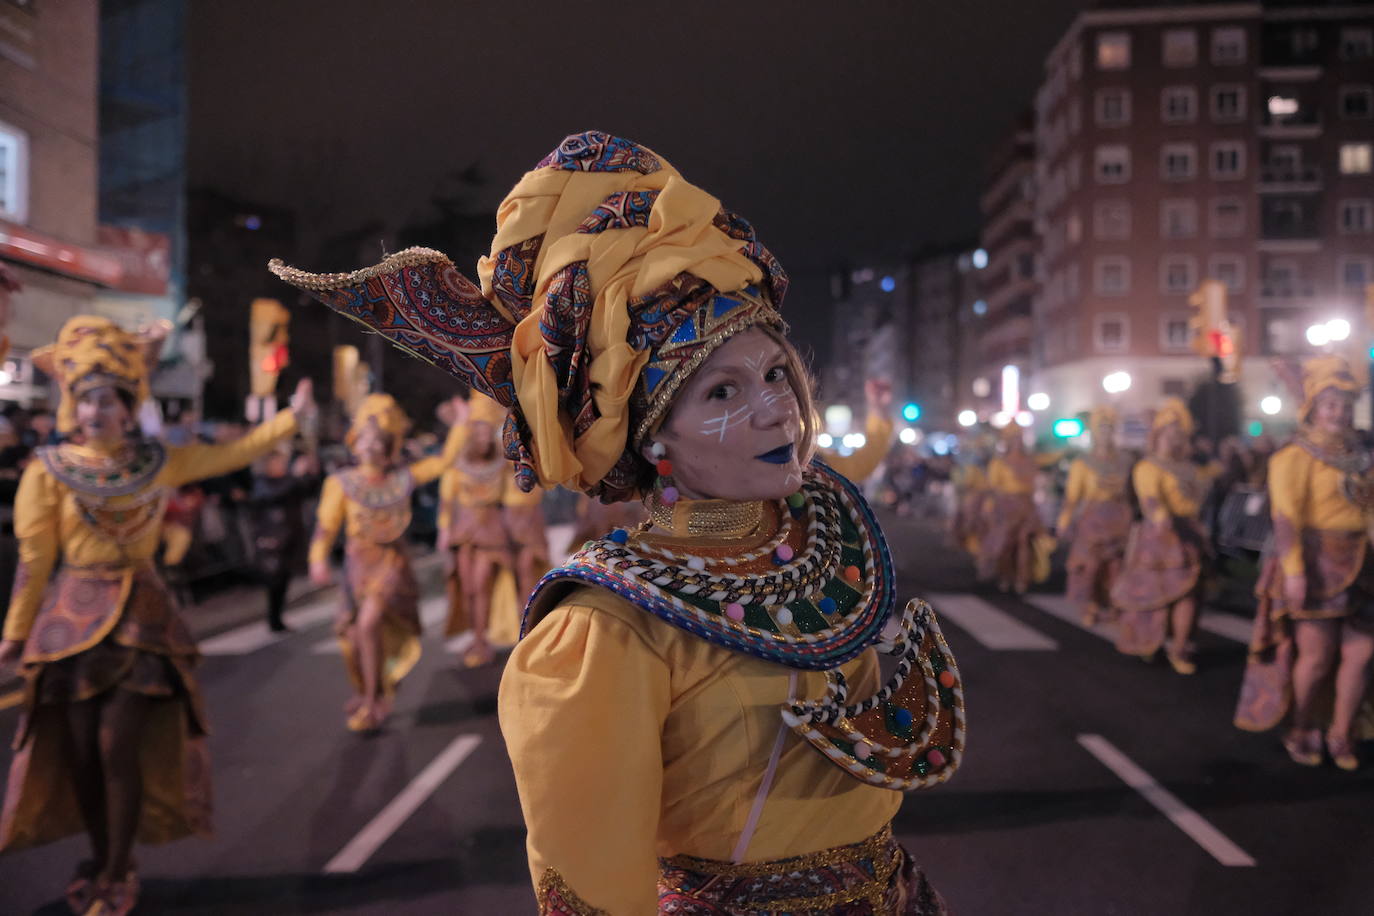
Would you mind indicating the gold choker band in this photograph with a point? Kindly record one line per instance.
(716, 518)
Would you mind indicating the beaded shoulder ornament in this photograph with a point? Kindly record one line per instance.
(385, 503)
(813, 598)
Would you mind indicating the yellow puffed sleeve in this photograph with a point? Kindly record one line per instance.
(1148, 479)
(37, 505)
(197, 462)
(448, 498)
(1075, 491)
(329, 518)
(582, 706)
(1288, 505)
(427, 469)
(860, 464)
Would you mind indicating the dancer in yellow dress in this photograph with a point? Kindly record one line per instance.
(1314, 625)
(1014, 547)
(682, 738)
(1157, 592)
(379, 625)
(1096, 518)
(112, 738)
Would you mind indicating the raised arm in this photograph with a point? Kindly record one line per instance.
(582, 706)
(427, 469)
(36, 510)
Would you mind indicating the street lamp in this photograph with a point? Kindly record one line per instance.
(1333, 330)
(1271, 404)
(1116, 382)
(1338, 329)
(909, 436)
(1001, 419)
(825, 440)
(1025, 418)
(1038, 401)
(967, 418)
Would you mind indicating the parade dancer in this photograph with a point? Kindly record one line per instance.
(112, 738)
(1157, 592)
(379, 623)
(1013, 551)
(970, 493)
(1096, 518)
(678, 712)
(529, 537)
(1315, 616)
(472, 526)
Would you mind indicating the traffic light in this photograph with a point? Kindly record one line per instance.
(1212, 335)
(911, 412)
(1068, 427)
(268, 337)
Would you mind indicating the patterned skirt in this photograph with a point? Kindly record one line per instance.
(875, 877)
(1008, 544)
(383, 573)
(1163, 565)
(1099, 542)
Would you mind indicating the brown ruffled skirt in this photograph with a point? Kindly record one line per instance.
(1163, 565)
(1095, 555)
(875, 877)
(1008, 545)
(383, 573)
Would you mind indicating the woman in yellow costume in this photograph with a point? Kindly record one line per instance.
(1316, 593)
(472, 525)
(112, 737)
(1014, 547)
(682, 737)
(379, 626)
(1156, 593)
(1096, 517)
(970, 493)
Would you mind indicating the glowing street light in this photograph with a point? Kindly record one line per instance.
(1271, 404)
(909, 435)
(1001, 419)
(967, 418)
(825, 440)
(981, 387)
(1038, 401)
(1116, 382)
(1025, 418)
(1318, 335)
(1338, 329)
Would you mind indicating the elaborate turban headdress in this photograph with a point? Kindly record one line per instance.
(1172, 411)
(610, 280)
(92, 352)
(1101, 416)
(382, 411)
(1321, 373)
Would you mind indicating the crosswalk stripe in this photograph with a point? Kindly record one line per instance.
(991, 626)
(1228, 626)
(254, 636)
(433, 611)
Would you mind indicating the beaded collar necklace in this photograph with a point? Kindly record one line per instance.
(715, 518)
(98, 477)
(393, 488)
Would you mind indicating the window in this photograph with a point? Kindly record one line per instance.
(1113, 107)
(1229, 269)
(1112, 164)
(1178, 104)
(1073, 229)
(1177, 273)
(14, 174)
(1228, 46)
(1071, 287)
(1075, 172)
(1177, 219)
(1357, 44)
(1228, 217)
(1304, 41)
(1355, 158)
(1357, 217)
(1285, 160)
(1228, 103)
(1113, 50)
(1357, 101)
(1180, 47)
(1112, 219)
(1111, 332)
(1112, 276)
(1175, 332)
(1355, 274)
(1178, 161)
(1228, 159)
(1075, 118)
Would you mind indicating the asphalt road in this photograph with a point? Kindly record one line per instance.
(1093, 783)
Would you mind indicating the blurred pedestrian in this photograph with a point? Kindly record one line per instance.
(1014, 547)
(1096, 518)
(281, 486)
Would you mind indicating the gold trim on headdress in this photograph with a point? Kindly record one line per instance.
(93, 352)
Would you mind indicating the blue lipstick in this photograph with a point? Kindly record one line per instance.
(780, 455)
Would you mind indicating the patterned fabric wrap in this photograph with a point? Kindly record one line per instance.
(1343, 589)
(875, 877)
(1007, 549)
(382, 411)
(92, 352)
(1163, 565)
(602, 253)
(1099, 542)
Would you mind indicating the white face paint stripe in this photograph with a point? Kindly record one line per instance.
(717, 426)
(756, 361)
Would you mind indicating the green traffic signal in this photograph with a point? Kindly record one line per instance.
(1068, 427)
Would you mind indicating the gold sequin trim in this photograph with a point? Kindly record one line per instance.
(719, 518)
(411, 257)
(551, 884)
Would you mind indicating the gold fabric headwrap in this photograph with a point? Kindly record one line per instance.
(1173, 410)
(92, 352)
(383, 411)
(1321, 373)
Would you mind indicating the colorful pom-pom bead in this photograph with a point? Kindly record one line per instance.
(795, 500)
(669, 496)
(734, 610)
(697, 563)
(783, 616)
(935, 758)
(862, 751)
(827, 605)
(784, 553)
(664, 467)
(946, 679)
(657, 450)
(902, 717)
(851, 573)
(620, 536)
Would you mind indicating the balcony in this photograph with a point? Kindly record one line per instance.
(1301, 125)
(1289, 179)
(1285, 292)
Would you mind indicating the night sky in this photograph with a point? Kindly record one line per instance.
(845, 130)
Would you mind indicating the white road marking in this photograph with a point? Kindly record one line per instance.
(254, 636)
(1067, 611)
(990, 625)
(359, 849)
(433, 611)
(1184, 818)
(1227, 625)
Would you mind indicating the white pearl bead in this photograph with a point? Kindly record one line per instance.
(783, 616)
(696, 563)
(657, 450)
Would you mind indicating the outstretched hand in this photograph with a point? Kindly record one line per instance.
(878, 394)
(303, 398)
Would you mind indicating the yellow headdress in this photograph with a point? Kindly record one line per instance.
(482, 409)
(1172, 411)
(1321, 373)
(93, 352)
(382, 411)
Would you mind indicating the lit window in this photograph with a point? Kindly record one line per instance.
(1228, 159)
(1357, 217)
(1178, 274)
(1228, 45)
(1112, 219)
(1111, 333)
(1178, 161)
(1229, 269)
(14, 174)
(1112, 276)
(1175, 333)
(1180, 47)
(1357, 44)
(1282, 106)
(1112, 164)
(1355, 158)
(1113, 50)
(1178, 219)
(1355, 274)
(1228, 103)
(1178, 104)
(1228, 217)
(1357, 101)
(1113, 107)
